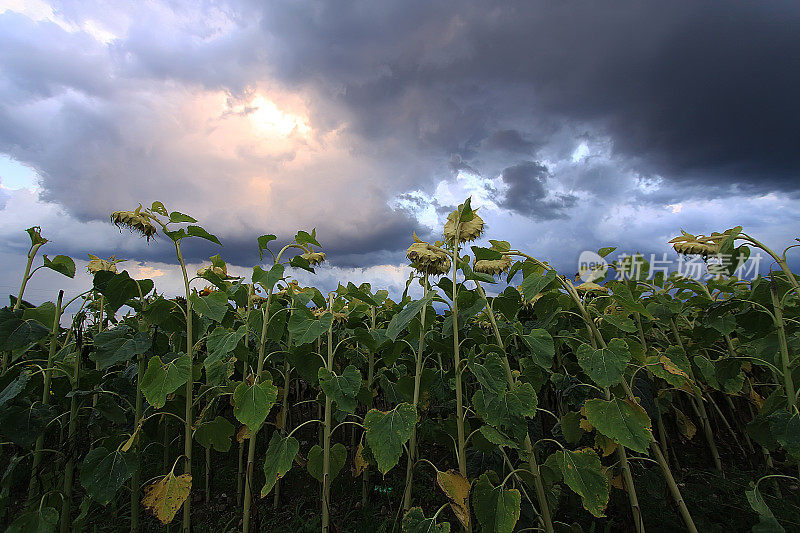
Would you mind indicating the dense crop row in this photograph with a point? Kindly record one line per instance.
(532, 409)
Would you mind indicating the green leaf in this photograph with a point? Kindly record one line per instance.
(278, 460)
(16, 333)
(603, 252)
(338, 456)
(221, 342)
(542, 347)
(508, 409)
(158, 207)
(252, 403)
(103, 472)
(605, 365)
(44, 314)
(387, 432)
(215, 434)
(303, 237)
(268, 279)
(414, 521)
(496, 508)
(263, 244)
(767, 523)
(61, 264)
(570, 427)
(13, 389)
(508, 303)
(785, 427)
(491, 374)
(197, 231)
(622, 323)
(213, 306)
(40, 520)
(23, 425)
(116, 288)
(533, 283)
(622, 421)
(119, 344)
(305, 327)
(178, 217)
(401, 319)
(341, 389)
(583, 473)
(162, 379)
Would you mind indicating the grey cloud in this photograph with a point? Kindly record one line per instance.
(527, 192)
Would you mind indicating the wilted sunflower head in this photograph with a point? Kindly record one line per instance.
(314, 258)
(467, 231)
(427, 259)
(689, 244)
(102, 265)
(590, 286)
(134, 221)
(492, 267)
(221, 271)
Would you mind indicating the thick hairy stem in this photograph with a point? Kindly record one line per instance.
(27, 275)
(786, 363)
(673, 487)
(251, 450)
(240, 468)
(370, 378)
(137, 473)
(189, 393)
(287, 382)
(48, 376)
(701, 408)
(461, 445)
(326, 449)
(69, 469)
(541, 497)
(412, 445)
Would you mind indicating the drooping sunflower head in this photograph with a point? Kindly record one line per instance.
(689, 244)
(468, 230)
(428, 259)
(493, 267)
(314, 258)
(102, 265)
(135, 221)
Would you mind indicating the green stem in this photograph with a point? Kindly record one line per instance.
(786, 363)
(137, 473)
(189, 391)
(25, 277)
(287, 382)
(69, 469)
(370, 379)
(701, 408)
(412, 445)
(326, 450)
(541, 497)
(48, 375)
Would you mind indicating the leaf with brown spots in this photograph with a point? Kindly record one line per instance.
(456, 488)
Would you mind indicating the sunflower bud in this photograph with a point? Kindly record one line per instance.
(467, 231)
(590, 286)
(492, 267)
(314, 258)
(134, 221)
(427, 259)
(208, 289)
(101, 265)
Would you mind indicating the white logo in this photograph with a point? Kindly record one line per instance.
(591, 266)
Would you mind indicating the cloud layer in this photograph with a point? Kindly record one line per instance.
(574, 125)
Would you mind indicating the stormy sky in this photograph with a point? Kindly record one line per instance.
(573, 125)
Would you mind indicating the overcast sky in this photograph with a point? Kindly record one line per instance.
(573, 125)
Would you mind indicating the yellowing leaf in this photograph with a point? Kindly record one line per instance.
(456, 488)
(756, 398)
(586, 425)
(604, 445)
(243, 434)
(685, 425)
(359, 463)
(163, 498)
(614, 481)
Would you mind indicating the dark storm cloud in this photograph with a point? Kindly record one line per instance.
(686, 90)
(527, 192)
(511, 141)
